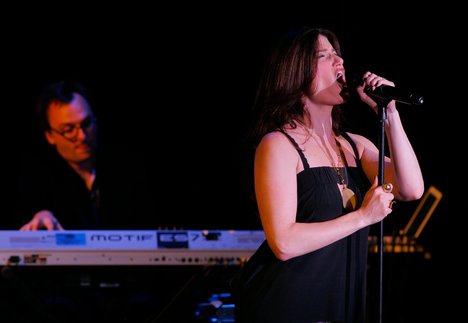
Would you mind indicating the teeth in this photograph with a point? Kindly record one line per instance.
(340, 78)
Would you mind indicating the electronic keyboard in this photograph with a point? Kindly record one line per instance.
(128, 247)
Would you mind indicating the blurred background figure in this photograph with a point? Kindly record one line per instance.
(74, 181)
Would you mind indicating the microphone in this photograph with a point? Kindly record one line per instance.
(387, 93)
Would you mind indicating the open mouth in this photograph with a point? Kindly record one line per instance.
(340, 78)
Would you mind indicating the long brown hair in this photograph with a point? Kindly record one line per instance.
(287, 74)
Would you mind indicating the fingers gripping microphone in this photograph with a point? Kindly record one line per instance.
(388, 93)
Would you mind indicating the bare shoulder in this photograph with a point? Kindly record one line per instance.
(361, 141)
(275, 138)
(278, 152)
(276, 142)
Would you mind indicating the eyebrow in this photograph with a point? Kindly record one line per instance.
(326, 49)
(75, 123)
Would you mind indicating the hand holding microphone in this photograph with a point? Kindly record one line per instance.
(380, 89)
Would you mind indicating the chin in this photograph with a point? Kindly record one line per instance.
(83, 155)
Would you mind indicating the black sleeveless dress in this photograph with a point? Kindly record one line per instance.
(328, 284)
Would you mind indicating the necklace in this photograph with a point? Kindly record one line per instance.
(347, 194)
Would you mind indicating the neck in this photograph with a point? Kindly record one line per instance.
(320, 125)
(86, 171)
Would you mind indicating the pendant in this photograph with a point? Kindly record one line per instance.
(349, 199)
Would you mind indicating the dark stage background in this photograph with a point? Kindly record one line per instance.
(177, 94)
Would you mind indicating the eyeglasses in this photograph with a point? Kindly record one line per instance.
(70, 131)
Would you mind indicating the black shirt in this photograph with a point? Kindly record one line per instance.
(119, 198)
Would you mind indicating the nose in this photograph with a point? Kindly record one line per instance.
(339, 59)
(80, 133)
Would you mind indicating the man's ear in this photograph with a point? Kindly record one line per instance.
(49, 137)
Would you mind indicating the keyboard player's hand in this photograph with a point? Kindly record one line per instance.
(42, 220)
